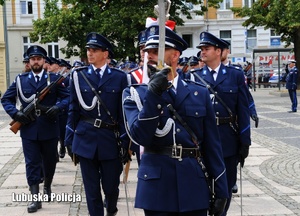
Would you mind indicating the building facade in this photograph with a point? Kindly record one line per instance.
(19, 16)
(3, 71)
(220, 22)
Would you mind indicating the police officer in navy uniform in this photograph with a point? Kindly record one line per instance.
(92, 128)
(40, 132)
(291, 84)
(170, 180)
(232, 116)
(226, 62)
(252, 108)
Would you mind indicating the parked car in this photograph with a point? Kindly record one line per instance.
(275, 78)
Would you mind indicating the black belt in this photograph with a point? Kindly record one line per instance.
(225, 120)
(178, 152)
(98, 123)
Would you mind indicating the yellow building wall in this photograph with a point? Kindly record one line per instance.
(3, 78)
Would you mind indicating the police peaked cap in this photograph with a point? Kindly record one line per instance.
(36, 50)
(225, 42)
(172, 40)
(142, 38)
(97, 41)
(183, 60)
(208, 39)
(291, 61)
(53, 60)
(64, 63)
(47, 60)
(193, 60)
(25, 57)
(113, 62)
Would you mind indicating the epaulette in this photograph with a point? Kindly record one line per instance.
(79, 68)
(194, 70)
(197, 83)
(235, 66)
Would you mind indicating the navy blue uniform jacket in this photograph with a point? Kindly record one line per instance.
(230, 86)
(165, 183)
(87, 140)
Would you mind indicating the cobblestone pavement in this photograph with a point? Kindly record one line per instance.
(270, 177)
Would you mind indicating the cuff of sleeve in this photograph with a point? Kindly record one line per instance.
(153, 105)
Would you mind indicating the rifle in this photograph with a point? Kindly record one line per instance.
(15, 125)
(186, 66)
(248, 67)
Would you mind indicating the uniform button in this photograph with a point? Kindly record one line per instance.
(145, 176)
(113, 90)
(196, 113)
(99, 92)
(158, 106)
(216, 92)
(216, 102)
(178, 130)
(230, 90)
(217, 113)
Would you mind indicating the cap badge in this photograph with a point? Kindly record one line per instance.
(152, 31)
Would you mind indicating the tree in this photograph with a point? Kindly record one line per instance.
(280, 15)
(119, 20)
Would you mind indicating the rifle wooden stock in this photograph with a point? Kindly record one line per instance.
(247, 68)
(185, 68)
(15, 125)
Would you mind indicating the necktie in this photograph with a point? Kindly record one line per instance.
(97, 71)
(214, 73)
(37, 80)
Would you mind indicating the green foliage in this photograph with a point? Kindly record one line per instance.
(119, 20)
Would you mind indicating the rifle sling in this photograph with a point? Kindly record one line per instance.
(214, 93)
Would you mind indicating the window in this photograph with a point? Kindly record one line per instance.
(251, 40)
(26, 7)
(225, 5)
(53, 50)
(26, 43)
(226, 35)
(189, 39)
(248, 3)
(273, 33)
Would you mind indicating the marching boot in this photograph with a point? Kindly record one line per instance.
(111, 214)
(47, 188)
(62, 149)
(34, 205)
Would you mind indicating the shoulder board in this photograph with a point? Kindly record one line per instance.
(79, 68)
(24, 74)
(118, 70)
(193, 82)
(238, 67)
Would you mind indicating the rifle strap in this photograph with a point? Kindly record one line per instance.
(218, 97)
